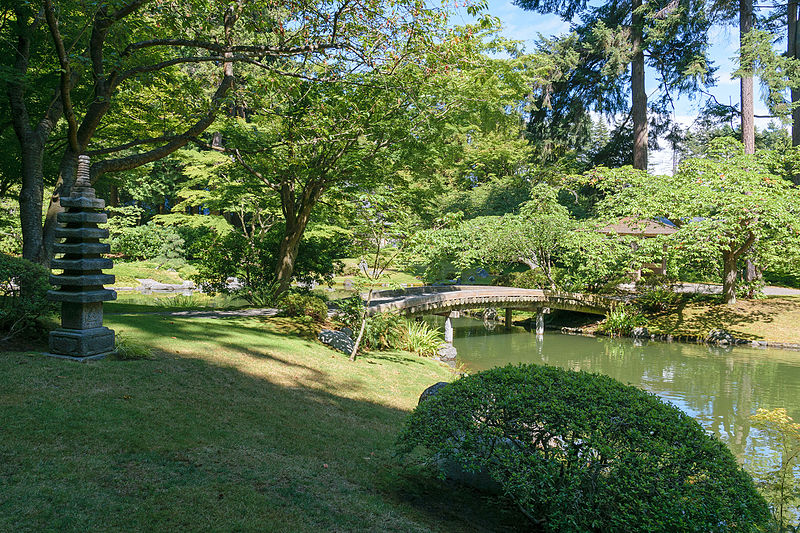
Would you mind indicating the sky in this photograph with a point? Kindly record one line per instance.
(526, 26)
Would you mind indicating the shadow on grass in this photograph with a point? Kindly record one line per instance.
(190, 442)
(737, 319)
(392, 357)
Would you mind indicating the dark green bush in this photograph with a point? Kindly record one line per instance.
(528, 279)
(297, 304)
(253, 260)
(23, 295)
(582, 452)
(382, 332)
(148, 242)
(657, 296)
(195, 230)
(350, 311)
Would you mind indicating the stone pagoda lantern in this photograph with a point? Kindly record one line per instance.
(82, 335)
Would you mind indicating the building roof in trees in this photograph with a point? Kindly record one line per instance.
(641, 228)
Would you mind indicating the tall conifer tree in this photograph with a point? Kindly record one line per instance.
(670, 36)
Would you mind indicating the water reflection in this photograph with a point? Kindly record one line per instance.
(720, 387)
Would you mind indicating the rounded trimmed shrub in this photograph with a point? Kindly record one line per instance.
(297, 304)
(582, 452)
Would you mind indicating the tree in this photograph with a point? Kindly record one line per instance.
(669, 36)
(90, 65)
(324, 138)
(727, 201)
(332, 133)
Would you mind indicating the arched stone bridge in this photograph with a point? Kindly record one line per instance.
(443, 300)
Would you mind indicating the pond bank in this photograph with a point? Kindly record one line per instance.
(769, 322)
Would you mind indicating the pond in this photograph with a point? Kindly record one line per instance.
(719, 387)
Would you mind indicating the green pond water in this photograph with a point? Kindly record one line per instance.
(720, 387)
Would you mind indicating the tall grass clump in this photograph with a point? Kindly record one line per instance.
(420, 338)
(129, 350)
(621, 320)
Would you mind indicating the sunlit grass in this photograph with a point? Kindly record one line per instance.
(244, 424)
(128, 273)
(770, 319)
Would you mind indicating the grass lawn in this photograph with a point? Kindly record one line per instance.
(239, 424)
(127, 273)
(134, 302)
(773, 319)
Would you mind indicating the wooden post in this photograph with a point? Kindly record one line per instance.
(508, 317)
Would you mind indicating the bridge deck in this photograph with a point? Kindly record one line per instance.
(427, 300)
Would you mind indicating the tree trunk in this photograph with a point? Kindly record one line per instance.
(729, 277)
(66, 177)
(363, 326)
(746, 81)
(287, 253)
(638, 95)
(793, 48)
(31, 198)
(113, 196)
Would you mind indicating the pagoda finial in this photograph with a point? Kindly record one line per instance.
(83, 186)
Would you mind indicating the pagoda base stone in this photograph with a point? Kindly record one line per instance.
(81, 344)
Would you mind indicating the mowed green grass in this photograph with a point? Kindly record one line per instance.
(240, 424)
(773, 319)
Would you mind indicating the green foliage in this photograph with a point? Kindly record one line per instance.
(195, 230)
(594, 262)
(777, 71)
(535, 238)
(23, 295)
(621, 320)
(148, 242)
(778, 478)
(300, 304)
(421, 338)
(127, 349)
(10, 230)
(383, 332)
(351, 311)
(122, 218)
(528, 279)
(726, 205)
(252, 260)
(656, 294)
(582, 452)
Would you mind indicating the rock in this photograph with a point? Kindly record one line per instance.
(640, 333)
(431, 391)
(447, 352)
(720, 336)
(337, 340)
(347, 331)
(452, 470)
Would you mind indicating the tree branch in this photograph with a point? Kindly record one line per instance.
(132, 144)
(254, 172)
(178, 141)
(66, 76)
(255, 50)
